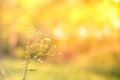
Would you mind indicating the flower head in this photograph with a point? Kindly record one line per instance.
(39, 46)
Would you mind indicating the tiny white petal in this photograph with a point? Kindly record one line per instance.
(47, 39)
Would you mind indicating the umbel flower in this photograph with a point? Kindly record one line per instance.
(39, 46)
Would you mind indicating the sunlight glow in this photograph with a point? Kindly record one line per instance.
(58, 33)
(44, 12)
(83, 32)
(116, 24)
(116, 0)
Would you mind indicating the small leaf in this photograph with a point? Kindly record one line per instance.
(32, 70)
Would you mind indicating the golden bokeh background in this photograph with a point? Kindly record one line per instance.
(87, 32)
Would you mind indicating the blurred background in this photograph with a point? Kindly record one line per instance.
(87, 34)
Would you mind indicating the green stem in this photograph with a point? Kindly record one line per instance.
(26, 68)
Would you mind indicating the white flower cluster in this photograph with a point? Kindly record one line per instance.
(39, 46)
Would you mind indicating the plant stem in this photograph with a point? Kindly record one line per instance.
(26, 68)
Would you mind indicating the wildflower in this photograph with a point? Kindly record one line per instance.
(41, 61)
(47, 39)
(38, 48)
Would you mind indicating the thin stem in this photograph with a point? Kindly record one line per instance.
(26, 68)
